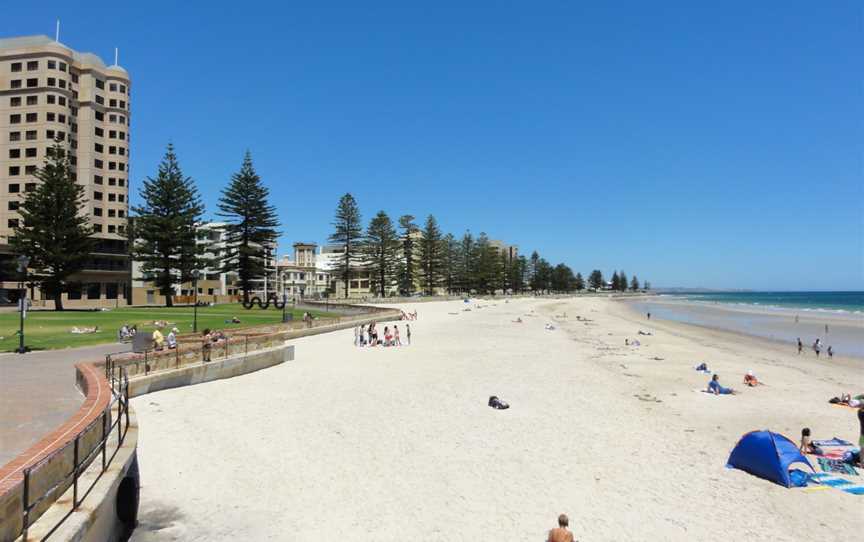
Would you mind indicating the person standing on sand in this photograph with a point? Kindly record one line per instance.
(830, 352)
(649, 315)
(408, 333)
(397, 341)
(800, 346)
(817, 347)
(561, 533)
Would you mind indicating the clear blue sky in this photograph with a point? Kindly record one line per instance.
(693, 144)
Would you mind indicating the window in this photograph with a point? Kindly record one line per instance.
(94, 289)
(49, 134)
(52, 64)
(61, 100)
(100, 100)
(122, 135)
(123, 89)
(122, 104)
(15, 101)
(75, 78)
(14, 136)
(112, 228)
(100, 116)
(14, 119)
(33, 100)
(112, 213)
(112, 87)
(121, 166)
(98, 163)
(52, 82)
(30, 170)
(32, 117)
(15, 83)
(61, 118)
(121, 229)
(121, 182)
(122, 151)
(97, 228)
(63, 69)
(62, 83)
(100, 84)
(32, 83)
(97, 211)
(97, 179)
(49, 117)
(112, 165)
(29, 187)
(99, 132)
(14, 171)
(112, 134)
(14, 188)
(74, 291)
(12, 223)
(121, 213)
(14, 153)
(112, 197)
(112, 118)
(31, 135)
(98, 147)
(112, 150)
(33, 65)
(110, 287)
(51, 99)
(112, 181)
(14, 204)
(16, 67)
(97, 195)
(30, 153)
(112, 102)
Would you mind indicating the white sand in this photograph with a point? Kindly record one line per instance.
(399, 444)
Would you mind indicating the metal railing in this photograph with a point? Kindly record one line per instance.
(84, 453)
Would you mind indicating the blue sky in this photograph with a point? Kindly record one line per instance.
(692, 144)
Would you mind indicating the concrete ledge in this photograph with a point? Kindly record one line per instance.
(208, 371)
(98, 518)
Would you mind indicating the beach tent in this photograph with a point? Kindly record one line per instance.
(766, 455)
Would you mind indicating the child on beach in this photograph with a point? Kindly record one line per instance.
(807, 446)
(751, 380)
(386, 336)
(396, 340)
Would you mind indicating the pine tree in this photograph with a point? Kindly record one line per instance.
(616, 281)
(380, 252)
(450, 261)
(646, 286)
(518, 269)
(535, 261)
(467, 264)
(407, 275)
(634, 284)
(53, 232)
(579, 282)
(250, 233)
(431, 255)
(346, 233)
(622, 282)
(595, 279)
(544, 275)
(165, 239)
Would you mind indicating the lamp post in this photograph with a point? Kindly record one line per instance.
(23, 262)
(195, 275)
(284, 306)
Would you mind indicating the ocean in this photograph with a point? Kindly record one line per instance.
(852, 302)
(836, 318)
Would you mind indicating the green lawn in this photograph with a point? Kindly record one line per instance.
(50, 330)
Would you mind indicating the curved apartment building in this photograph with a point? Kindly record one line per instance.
(49, 91)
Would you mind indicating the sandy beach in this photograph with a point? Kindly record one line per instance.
(399, 443)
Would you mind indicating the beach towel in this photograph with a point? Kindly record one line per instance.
(833, 442)
(859, 490)
(836, 465)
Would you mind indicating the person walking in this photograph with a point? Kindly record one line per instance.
(408, 333)
(830, 351)
(396, 339)
(800, 346)
(206, 345)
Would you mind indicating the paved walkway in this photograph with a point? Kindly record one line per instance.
(38, 393)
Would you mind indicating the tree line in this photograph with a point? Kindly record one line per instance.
(407, 258)
(163, 234)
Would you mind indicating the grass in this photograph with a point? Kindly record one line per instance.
(45, 330)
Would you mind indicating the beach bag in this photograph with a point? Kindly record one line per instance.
(799, 478)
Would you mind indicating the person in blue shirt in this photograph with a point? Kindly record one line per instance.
(715, 387)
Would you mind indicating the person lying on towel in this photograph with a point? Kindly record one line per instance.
(715, 387)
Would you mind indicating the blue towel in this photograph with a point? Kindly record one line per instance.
(833, 442)
(834, 482)
(854, 490)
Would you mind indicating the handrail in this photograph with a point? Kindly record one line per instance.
(119, 384)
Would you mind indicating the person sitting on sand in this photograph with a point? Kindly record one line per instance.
(807, 445)
(518, 320)
(751, 380)
(561, 533)
(715, 387)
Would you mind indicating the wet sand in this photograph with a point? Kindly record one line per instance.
(399, 443)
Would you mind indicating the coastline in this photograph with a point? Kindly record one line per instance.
(779, 326)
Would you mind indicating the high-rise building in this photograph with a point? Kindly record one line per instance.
(50, 92)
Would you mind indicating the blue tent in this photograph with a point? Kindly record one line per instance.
(766, 455)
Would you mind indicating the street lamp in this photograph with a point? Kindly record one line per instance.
(195, 275)
(284, 305)
(23, 262)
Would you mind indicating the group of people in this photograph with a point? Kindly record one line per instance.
(409, 315)
(208, 339)
(126, 332)
(817, 347)
(160, 342)
(368, 336)
(807, 446)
